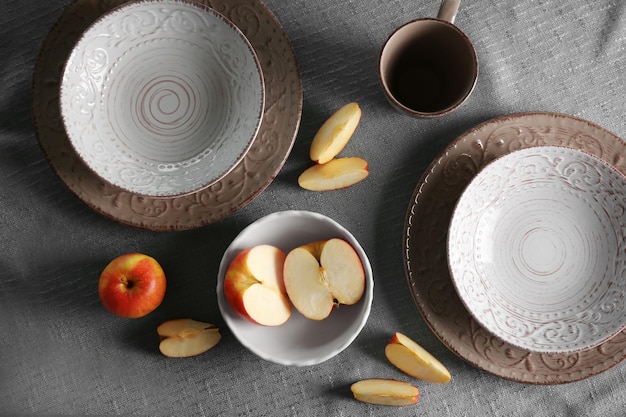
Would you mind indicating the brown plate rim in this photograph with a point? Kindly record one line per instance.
(468, 340)
(261, 165)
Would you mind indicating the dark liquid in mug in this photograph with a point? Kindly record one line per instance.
(418, 86)
(431, 70)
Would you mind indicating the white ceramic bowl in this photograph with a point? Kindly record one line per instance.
(162, 97)
(299, 341)
(537, 249)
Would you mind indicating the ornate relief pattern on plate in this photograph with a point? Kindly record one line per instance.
(536, 249)
(425, 231)
(283, 109)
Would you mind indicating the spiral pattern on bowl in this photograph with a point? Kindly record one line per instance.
(537, 251)
(162, 97)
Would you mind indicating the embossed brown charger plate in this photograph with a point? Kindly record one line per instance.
(277, 133)
(425, 231)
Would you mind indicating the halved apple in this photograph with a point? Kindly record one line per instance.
(182, 338)
(414, 360)
(385, 392)
(336, 174)
(335, 133)
(323, 274)
(254, 286)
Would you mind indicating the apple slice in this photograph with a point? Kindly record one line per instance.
(182, 338)
(323, 274)
(334, 175)
(414, 360)
(254, 286)
(385, 392)
(335, 133)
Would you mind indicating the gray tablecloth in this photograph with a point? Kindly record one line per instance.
(61, 353)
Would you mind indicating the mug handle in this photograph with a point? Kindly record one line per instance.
(448, 9)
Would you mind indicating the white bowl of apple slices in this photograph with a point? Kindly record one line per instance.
(281, 323)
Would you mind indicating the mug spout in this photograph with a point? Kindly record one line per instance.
(448, 10)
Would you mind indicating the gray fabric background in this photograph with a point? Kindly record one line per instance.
(62, 354)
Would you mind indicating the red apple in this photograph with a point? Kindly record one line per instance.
(323, 274)
(254, 286)
(132, 285)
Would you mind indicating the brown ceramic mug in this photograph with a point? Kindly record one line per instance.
(428, 67)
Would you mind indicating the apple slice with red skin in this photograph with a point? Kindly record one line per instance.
(335, 133)
(382, 391)
(132, 285)
(254, 285)
(414, 360)
(182, 338)
(336, 174)
(323, 274)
